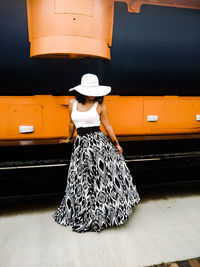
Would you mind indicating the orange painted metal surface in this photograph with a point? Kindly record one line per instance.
(135, 5)
(128, 115)
(66, 28)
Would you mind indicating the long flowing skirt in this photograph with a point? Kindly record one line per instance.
(100, 190)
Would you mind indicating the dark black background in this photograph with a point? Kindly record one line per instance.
(155, 52)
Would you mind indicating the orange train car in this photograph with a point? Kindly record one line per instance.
(46, 117)
(146, 50)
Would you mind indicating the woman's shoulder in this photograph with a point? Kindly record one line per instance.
(101, 107)
(71, 102)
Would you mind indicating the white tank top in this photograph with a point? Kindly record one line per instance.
(88, 118)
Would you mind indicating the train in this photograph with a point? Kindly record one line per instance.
(147, 51)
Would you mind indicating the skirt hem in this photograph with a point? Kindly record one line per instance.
(65, 224)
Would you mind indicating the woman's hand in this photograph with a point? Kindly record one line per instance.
(68, 140)
(119, 148)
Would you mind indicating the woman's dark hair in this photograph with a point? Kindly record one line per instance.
(81, 98)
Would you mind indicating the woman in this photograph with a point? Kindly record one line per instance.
(100, 191)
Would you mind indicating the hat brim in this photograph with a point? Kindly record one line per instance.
(92, 91)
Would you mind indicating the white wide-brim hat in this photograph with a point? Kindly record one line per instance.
(90, 86)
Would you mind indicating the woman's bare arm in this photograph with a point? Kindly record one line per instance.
(71, 124)
(108, 127)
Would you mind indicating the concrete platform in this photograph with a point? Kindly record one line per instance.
(164, 227)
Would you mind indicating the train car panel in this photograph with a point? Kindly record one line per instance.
(175, 114)
(70, 28)
(129, 115)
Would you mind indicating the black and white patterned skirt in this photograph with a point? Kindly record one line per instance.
(100, 190)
